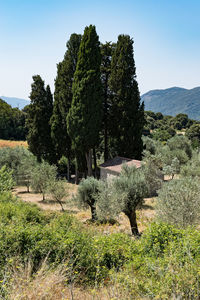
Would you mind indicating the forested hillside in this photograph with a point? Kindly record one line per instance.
(12, 122)
(173, 101)
(15, 102)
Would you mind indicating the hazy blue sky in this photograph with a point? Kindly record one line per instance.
(33, 35)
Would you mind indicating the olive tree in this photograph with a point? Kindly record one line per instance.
(153, 175)
(25, 169)
(180, 142)
(42, 174)
(13, 157)
(124, 194)
(86, 195)
(57, 191)
(178, 202)
(172, 169)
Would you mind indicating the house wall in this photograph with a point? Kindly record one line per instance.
(105, 173)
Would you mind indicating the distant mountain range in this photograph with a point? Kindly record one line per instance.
(15, 102)
(173, 101)
(170, 101)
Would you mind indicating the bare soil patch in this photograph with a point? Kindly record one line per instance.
(48, 204)
(145, 215)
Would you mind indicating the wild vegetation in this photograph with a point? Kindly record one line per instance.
(52, 254)
(86, 262)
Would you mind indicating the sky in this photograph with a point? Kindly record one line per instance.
(33, 36)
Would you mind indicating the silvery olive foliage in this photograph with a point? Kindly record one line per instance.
(41, 175)
(87, 195)
(178, 202)
(124, 193)
(57, 191)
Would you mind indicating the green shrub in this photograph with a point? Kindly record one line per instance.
(157, 237)
(6, 179)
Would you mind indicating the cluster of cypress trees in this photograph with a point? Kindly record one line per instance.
(96, 106)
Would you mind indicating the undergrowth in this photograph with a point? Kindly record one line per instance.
(162, 264)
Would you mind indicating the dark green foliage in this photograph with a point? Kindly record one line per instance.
(63, 97)
(180, 143)
(106, 56)
(127, 114)
(12, 122)
(156, 121)
(38, 118)
(193, 133)
(181, 121)
(161, 135)
(84, 118)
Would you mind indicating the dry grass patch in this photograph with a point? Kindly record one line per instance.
(55, 284)
(12, 144)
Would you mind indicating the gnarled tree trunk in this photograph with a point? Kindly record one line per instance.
(133, 222)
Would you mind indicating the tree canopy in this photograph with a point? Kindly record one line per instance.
(38, 120)
(84, 118)
(127, 113)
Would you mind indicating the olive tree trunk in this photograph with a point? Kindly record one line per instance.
(93, 212)
(133, 222)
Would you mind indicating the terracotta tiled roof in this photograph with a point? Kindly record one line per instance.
(116, 163)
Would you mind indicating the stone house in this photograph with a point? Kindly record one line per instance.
(113, 166)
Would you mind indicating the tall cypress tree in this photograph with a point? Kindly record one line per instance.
(84, 118)
(106, 56)
(63, 97)
(38, 118)
(127, 113)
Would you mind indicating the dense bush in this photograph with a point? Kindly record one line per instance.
(27, 233)
(193, 133)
